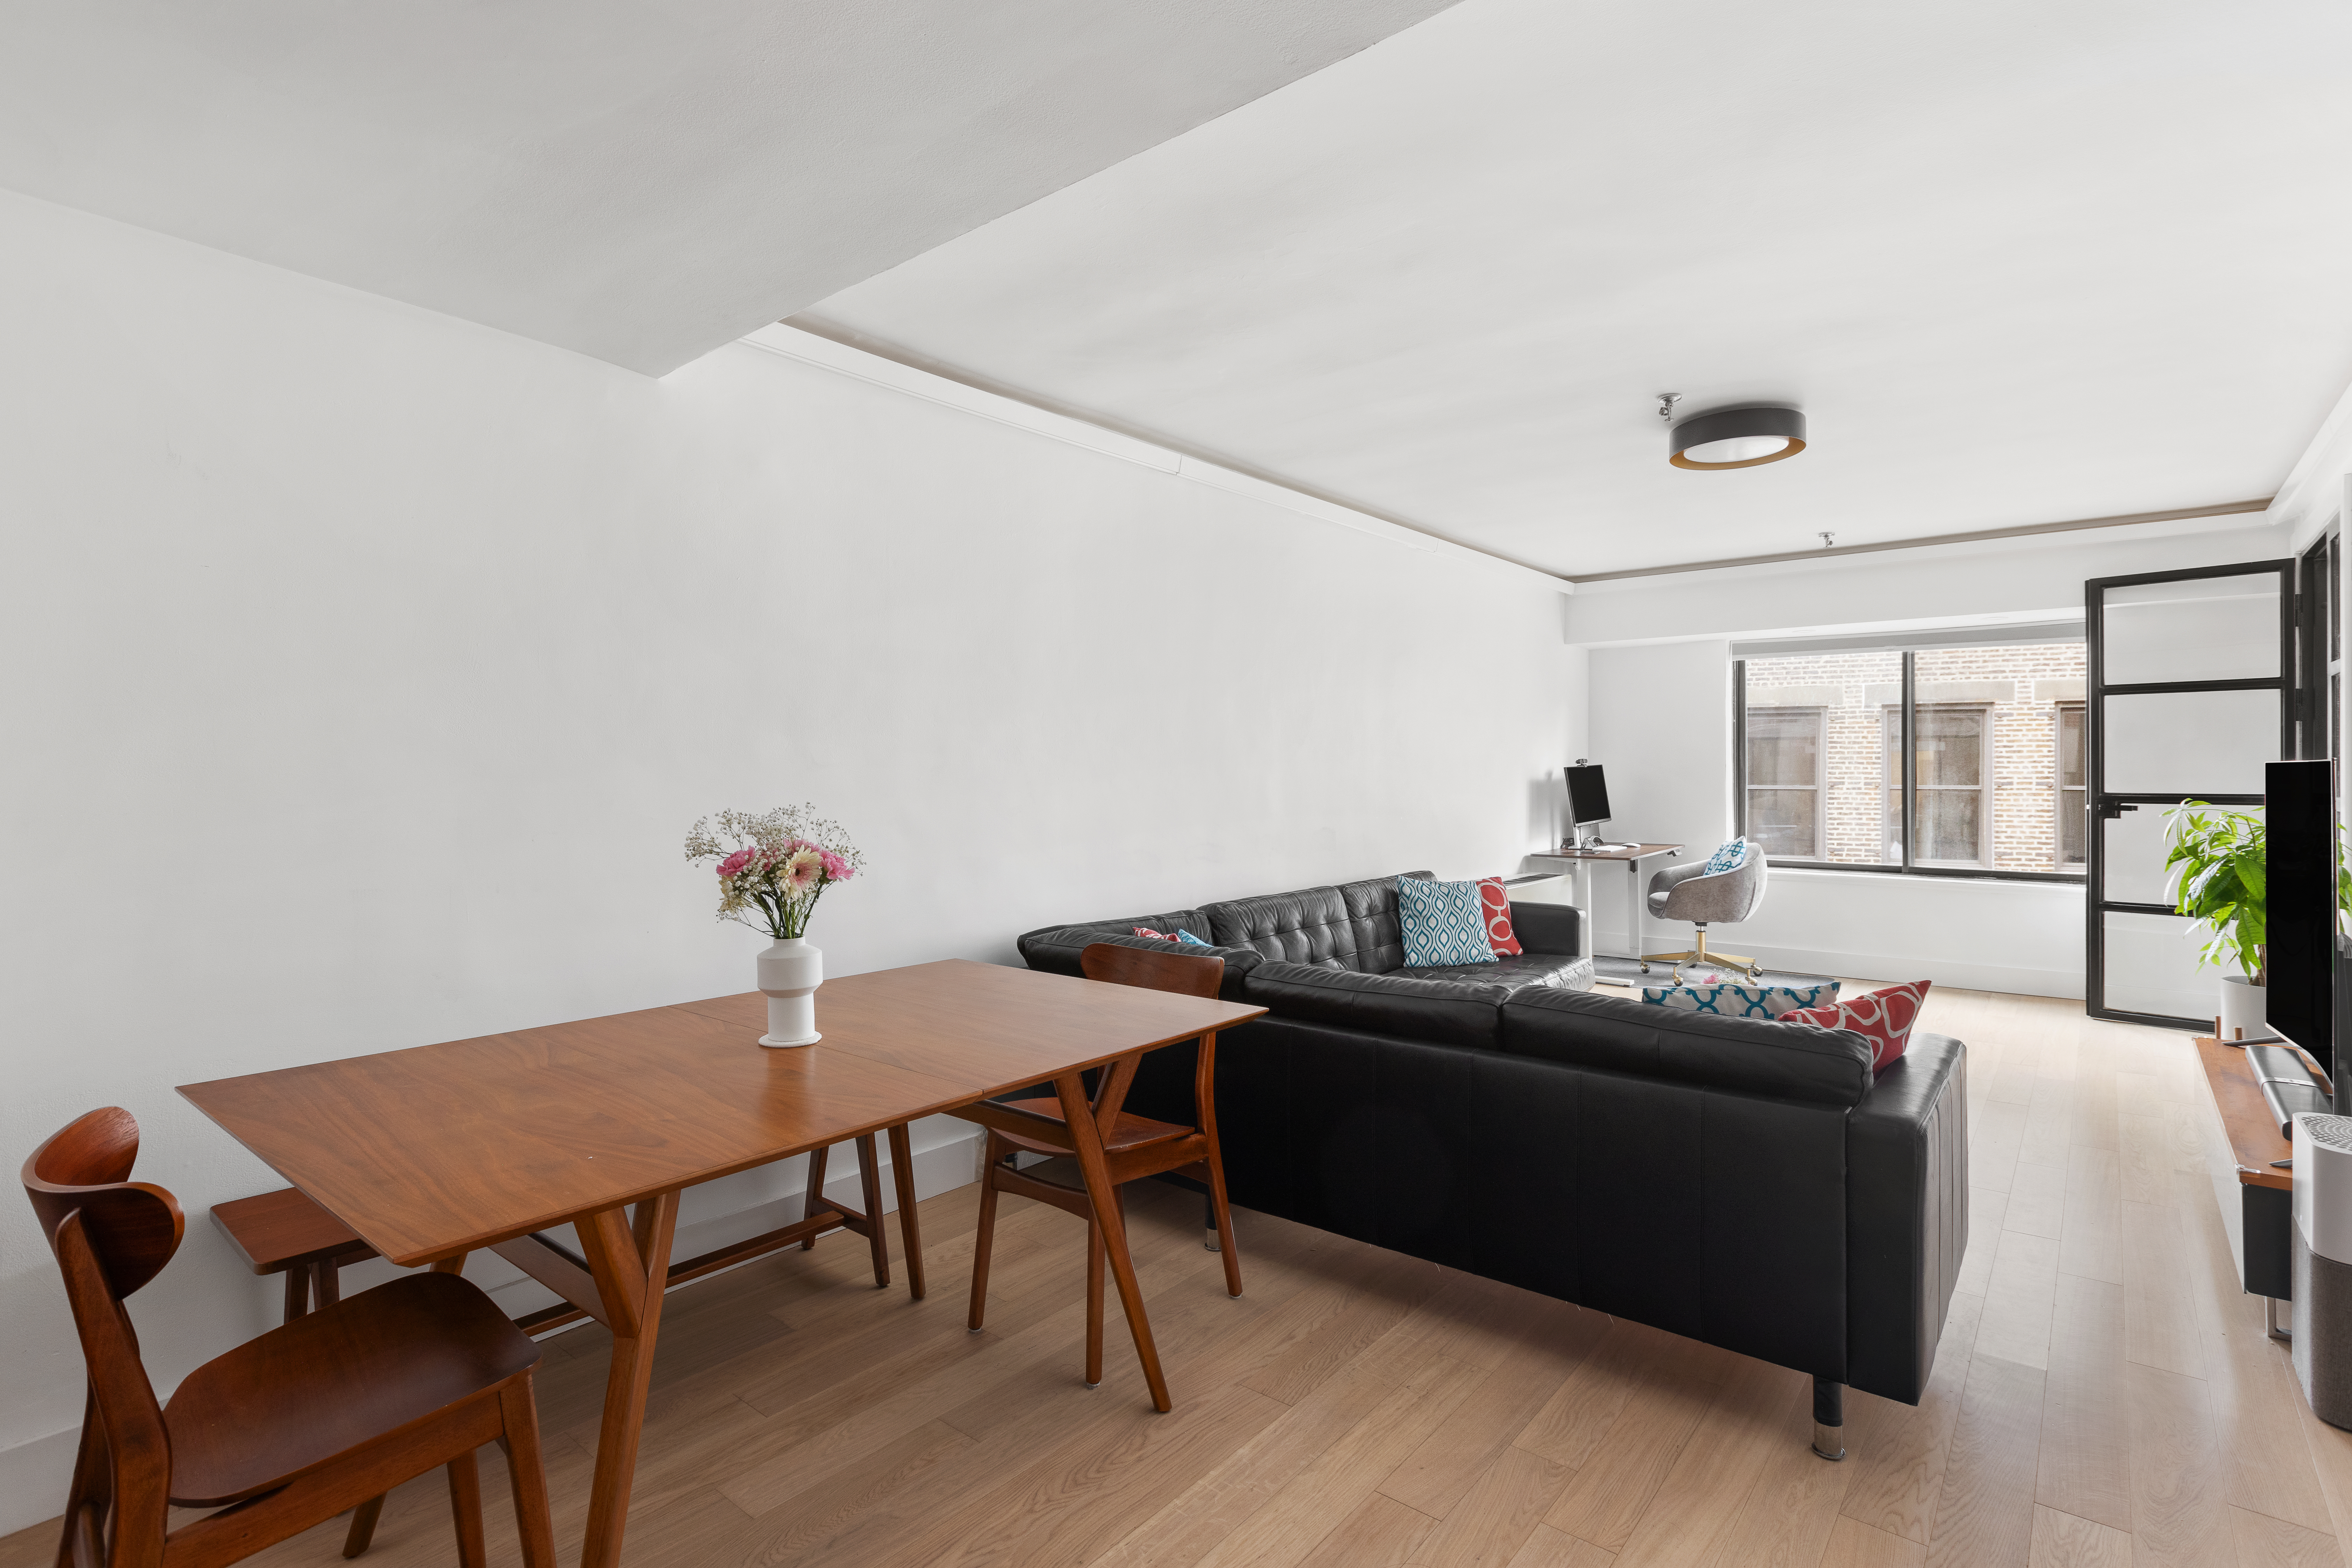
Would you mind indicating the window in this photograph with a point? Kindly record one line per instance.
(1955, 813)
(1784, 781)
(1994, 771)
(1810, 723)
(2071, 803)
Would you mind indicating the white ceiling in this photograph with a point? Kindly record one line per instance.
(639, 182)
(2019, 262)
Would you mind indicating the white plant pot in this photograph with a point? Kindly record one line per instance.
(2244, 1007)
(789, 971)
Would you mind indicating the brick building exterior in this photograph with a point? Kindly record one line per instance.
(1991, 724)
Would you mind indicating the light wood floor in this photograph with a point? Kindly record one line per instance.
(2102, 1396)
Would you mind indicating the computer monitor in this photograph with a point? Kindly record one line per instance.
(1588, 794)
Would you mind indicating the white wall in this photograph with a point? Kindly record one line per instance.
(367, 666)
(1661, 722)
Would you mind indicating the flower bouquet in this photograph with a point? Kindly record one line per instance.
(772, 868)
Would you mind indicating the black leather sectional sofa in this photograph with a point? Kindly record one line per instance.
(1741, 1182)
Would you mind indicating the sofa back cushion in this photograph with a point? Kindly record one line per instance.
(1749, 1055)
(1056, 949)
(1449, 1012)
(1353, 926)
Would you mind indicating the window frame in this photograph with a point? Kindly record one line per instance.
(1908, 866)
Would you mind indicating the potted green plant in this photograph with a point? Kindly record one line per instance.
(2223, 864)
(2224, 876)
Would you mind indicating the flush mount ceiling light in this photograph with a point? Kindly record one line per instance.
(1736, 437)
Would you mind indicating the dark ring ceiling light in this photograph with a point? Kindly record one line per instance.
(1738, 438)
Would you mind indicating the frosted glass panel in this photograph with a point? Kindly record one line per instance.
(2152, 967)
(2210, 628)
(2136, 849)
(2190, 743)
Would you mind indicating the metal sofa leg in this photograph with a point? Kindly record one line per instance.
(1829, 1418)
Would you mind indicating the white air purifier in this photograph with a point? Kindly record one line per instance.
(2322, 1264)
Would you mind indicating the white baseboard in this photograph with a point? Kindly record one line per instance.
(34, 1473)
(2011, 979)
(34, 1476)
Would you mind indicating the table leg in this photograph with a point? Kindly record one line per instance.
(1080, 1116)
(869, 1191)
(630, 1279)
(902, 1173)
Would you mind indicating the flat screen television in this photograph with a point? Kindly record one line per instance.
(2304, 953)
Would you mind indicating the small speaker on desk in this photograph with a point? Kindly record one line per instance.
(2322, 1264)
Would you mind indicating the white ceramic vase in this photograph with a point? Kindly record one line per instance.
(2244, 1006)
(789, 971)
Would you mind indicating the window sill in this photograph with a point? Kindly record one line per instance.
(1856, 874)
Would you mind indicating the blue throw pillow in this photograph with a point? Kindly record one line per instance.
(1444, 924)
(1186, 938)
(1728, 859)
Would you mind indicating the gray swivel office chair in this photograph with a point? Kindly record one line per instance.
(1688, 893)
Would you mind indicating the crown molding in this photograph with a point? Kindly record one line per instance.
(864, 360)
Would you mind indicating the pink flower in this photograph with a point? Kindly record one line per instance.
(836, 870)
(802, 870)
(735, 863)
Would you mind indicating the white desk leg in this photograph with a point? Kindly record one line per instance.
(1633, 905)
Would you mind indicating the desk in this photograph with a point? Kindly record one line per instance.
(1582, 861)
(432, 1152)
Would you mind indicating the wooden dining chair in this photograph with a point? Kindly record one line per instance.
(286, 1431)
(1134, 1147)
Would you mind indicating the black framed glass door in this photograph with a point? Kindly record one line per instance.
(2191, 692)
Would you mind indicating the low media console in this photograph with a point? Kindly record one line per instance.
(2255, 1093)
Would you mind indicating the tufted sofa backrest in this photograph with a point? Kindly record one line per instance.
(1351, 926)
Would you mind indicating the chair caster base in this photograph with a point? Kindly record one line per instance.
(1829, 1442)
(1093, 1385)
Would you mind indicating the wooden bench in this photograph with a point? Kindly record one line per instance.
(285, 1233)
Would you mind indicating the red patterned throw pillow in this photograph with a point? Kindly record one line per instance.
(1495, 903)
(1154, 935)
(1883, 1017)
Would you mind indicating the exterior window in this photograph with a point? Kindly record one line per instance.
(1810, 785)
(1954, 815)
(2071, 801)
(1997, 765)
(1784, 781)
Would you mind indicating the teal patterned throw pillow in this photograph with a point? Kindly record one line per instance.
(1731, 1000)
(1444, 924)
(1728, 859)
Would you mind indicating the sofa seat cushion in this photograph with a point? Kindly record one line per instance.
(1451, 1012)
(1355, 923)
(1751, 1056)
(1565, 971)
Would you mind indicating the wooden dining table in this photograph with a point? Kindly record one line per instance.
(434, 1151)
